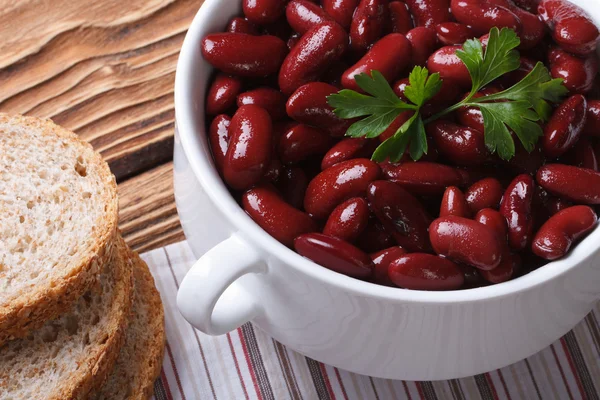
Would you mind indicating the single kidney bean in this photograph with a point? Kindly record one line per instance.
(565, 126)
(315, 52)
(571, 27)
(486, 193)
(555, 237)
(334, 254)
(445, 62)
(367, 24)
(218, 136)
(244, 55)
(401, 214)
(466, 241)
(516, 208)
(400, 20)
(348, 220)
(302, 141)
(309, 105)
(423, 42)
(274, 215)
(505, 270)
(263, 11)
(292, 185)
(592, 124)
(341, 10)
(337, 184)
(483, 16)
(449, 33)
(249, 152)
(493, 220)
(381, 262)
(580, 185)
(270, 99)
(420, 271)
(429, 13)
(347, 149)
(390, 56)
(577, 73)
(303, 15)
(222, 93)
(454, 203)
(582, 155)
(462, 146)
(424, 178)
(375, 237)
(241, 25)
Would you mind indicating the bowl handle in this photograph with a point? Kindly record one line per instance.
(203, 298)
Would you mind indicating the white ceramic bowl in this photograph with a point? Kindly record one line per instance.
(245, 275)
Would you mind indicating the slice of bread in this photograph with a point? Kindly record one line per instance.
(58, 207)
(71, 356)
(141, 356)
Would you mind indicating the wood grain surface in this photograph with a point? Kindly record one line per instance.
(104, 69)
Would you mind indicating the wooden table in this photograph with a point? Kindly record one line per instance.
(105, 69)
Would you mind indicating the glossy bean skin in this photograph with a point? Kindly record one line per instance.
(400, 19)
(592, 124)
(292, 185)
(347, 149)
(218, 136)
(460, 145)
(466, 241)
(337, 184)
(451, 33)
(420, 271)
(250, 142)
(454, 203)
(367, 24)
(381, 262)
(555, 237)
(348, 220)
(334, 254)
(263, 11)
(580, 185)
(424, 178)
(577, 73)
(303, 15)
(582, 155)
(308, 105)
(483, 16)
(313, 54)
(445, 62)
(493, 220)
(244, 55)
(565, 126)
(222, 94)
(516, 207)
(532, 29)
(505, 270)
(423, 42)
(486, 193)
(429, 13)
(302, 141)
(390, 56)
(268, 98)
(341, 10)
(401, 214)
(241, 25)
(274, 215)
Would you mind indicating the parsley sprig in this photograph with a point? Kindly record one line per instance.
(517, 109)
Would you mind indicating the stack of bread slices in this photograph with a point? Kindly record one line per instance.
(80, 317)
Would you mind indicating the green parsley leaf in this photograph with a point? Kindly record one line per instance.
(422, 86)
(395, 147)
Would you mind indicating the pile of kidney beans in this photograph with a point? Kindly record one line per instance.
(458, 218)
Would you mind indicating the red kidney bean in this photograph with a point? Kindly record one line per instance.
(337, 184)
(340, 10)
(249, 152)
(423, 42)
(472, 116)
(582, 155)
(466, 241)
(532, 29)
(274, 171)
(400, 20)
(241, 25)
(302, 141)
(222, 93)
(454, 203)
(577, 73)
(565, 126)
(493, 220)
(309, 59)
(483, 16)
(334, 254)
(516, 208)
(555, 237)
(367, 24)
(401, 214)
(445, 62)
(486, 193)
(303, 15)
(381, 262)
(263, 11)
(449, 33)
(348, 220)
(275, 216)
(390, 56)
(462, 146)
(571, 27)
(375, 237)
(580, 185)
(429, 13)
(424, 178)
(592, 124)
(419, 271)
(292, 185)
(505, 270)
(270, 99)
(309, 105)
(347, 149)
(218, 136)
(244, 55)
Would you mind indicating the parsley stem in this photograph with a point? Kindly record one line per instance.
(455, 107)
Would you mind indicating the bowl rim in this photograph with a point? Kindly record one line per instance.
(188, 108)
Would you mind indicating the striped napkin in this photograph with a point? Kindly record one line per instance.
(248, 364)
